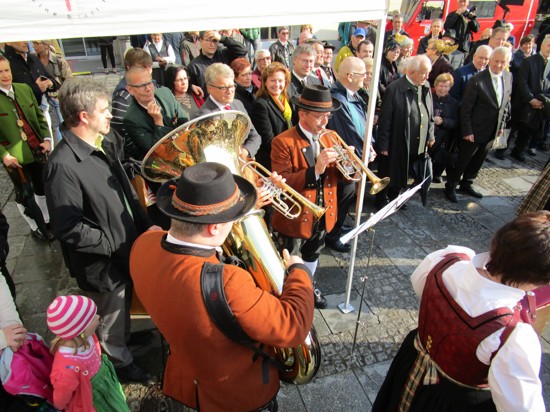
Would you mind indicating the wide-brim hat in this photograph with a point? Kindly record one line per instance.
(450, 34)
(206, 193)
(445, 46)
(316, 98)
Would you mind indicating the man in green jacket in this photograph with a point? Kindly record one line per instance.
(25, 141)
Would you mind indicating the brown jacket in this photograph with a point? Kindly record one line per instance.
(203, 362)
(292, 157)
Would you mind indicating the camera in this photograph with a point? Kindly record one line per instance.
(470, 13)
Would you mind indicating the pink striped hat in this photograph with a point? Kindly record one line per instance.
(69, 316)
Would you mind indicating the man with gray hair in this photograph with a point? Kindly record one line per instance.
(303, 62)
(464, 73)
(95, 215)
(220, 84)
(262, 57)
(282, 49)
(484, 111)
(405, 128)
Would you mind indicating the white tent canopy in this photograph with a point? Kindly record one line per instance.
(58, 19)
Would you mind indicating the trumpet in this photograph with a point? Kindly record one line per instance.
(349, 164)
(285, 199)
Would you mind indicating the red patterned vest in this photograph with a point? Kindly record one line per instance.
(450, 335)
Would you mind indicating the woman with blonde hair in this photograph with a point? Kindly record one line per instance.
(435, 51)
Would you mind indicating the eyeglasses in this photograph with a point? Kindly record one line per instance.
(223, 89)
(213, 41)
(284, 32)
(320, 116)
(142, 86)
(358, 74)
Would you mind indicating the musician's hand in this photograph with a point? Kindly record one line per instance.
(277, 179)
(326, 157)
(15, 336)
(10, 161)
(290, 260)
(244, 154)
(154, 110)
(264, 197)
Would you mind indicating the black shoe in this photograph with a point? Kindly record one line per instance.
(140, 338)
(469, 190)
(499, 154)
(450, 194)
(133, 373)
(319, 299)
(37, 234)
(436, 179)
(518, 156)
(338, 246)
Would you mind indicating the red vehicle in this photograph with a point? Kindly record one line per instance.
(418, 15)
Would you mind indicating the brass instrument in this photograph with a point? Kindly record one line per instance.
(285, 199)
(349, 164)
(216, 138)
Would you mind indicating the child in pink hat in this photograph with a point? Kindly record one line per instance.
(82, 378)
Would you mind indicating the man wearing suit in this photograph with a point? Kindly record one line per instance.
(297, 156)
(152, 113)
(464, 73)
(24, 140)
(532, 93)
(220, 83)
(319, 61)
(483, 115)
(303, 61)
(96, 215)
(204, 366)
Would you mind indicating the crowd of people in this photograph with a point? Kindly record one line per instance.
(438, 113)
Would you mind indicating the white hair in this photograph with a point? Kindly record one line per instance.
(485, 47)
(260, 52)
(504, 51)
(417, 61)
(406, 42)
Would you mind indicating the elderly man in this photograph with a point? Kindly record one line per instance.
(297, 156)
(96, 215)
(210, 53)
(350, 123)
(303, 61)
(262, 58)
(497, 39)
(152, 113)
(351, 48)
(319, 61)
(206, 367)
(405, 128)
(464, 23)
(282, 49)
(483, 115)
(220, 83)
(464, 73)
(532, 93)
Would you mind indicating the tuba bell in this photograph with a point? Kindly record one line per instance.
(216, 138)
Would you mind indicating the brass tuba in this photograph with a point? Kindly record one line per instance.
(216, 138)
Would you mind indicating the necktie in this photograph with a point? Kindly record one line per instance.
(316, 145)
(498, 91)
(546, 69)
(318, 71)
(226, 107)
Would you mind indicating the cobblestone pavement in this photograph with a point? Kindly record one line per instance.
(346, 381)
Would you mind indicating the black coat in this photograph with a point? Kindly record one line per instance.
(269, 122)
(246, 98)
(480, 114)
(394, 125)
(388, 73)
(530, 84)
(447, 108)
(85, 192)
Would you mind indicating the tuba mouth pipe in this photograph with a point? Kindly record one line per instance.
(349, 164)
(285, 199)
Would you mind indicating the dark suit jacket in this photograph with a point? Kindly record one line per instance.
(480, 113)
(295, 87)
(269, 121)
(253, 141)
(530, 84)
(88, 195)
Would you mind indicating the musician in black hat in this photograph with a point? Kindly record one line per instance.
(205, 366)
(310, 169)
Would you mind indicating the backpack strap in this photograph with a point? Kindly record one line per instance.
(214, 298)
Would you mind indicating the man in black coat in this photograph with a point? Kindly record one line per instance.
(95, 214)
(483, 115)
(405, 127)
(532, 93)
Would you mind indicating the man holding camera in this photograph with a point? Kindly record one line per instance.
(463, 22)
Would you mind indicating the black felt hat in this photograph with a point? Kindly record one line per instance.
(206, 193)
(316, 98)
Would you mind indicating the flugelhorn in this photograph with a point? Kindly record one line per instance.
(349, 164)
(285, 199)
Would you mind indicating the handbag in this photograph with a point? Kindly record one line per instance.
(501, 142)
(447, 153)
